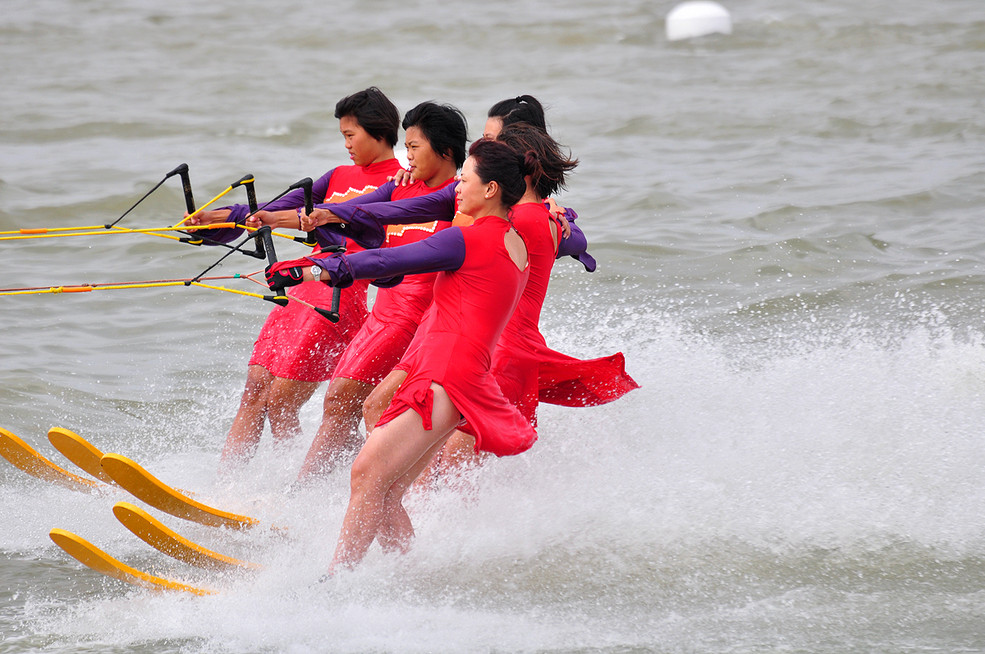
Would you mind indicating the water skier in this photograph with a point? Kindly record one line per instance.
(297, 348)
(483, 268)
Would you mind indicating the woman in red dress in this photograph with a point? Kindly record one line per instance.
(527, 370)
(449, 384)
(297, 348)
(436, 140)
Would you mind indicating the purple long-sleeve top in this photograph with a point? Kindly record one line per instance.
(442, 251)
(367, 216)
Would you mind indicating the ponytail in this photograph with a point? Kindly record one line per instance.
(521, 109)
(543, 159)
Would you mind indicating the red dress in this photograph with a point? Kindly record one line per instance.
(383, 338)
(298, 343)
(454, 344)
(527, 370)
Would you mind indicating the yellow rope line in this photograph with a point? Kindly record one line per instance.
(115, 230)
(228, 290)
(86, 288)
(102, 232)
(62, 232)
(202, 208)
(272, 232)
(45, 230)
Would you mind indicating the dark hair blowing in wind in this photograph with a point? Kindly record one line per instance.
(496, 161)
(547, 164)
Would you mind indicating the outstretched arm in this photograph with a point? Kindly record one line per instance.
(445, 250)
(365, 222)
(237, 213)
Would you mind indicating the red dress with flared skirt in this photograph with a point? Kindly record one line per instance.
(454, 344)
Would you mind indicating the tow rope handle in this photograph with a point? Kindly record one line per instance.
(331, 314)
(193, 238)
(186, 186)
(309, 206)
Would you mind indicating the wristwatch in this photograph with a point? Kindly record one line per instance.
(316, 273)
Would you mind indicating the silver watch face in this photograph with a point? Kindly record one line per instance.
(316, 273)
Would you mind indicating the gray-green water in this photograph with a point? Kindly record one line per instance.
(790, 245)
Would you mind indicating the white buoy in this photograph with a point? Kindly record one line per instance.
(690, 19)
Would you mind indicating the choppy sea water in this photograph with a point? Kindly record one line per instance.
(787, 223)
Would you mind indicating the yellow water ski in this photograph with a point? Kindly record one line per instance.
(85, 455)
(92, 557)
(148, 488)
(25, 457)
(79, 451)
(153, 532)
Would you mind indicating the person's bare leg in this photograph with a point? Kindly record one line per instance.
(284, 401)
(244, 434)
(458, 456)
(390, 452)
(379, 398)
(338, 432)
(428, 477)
(396, 531)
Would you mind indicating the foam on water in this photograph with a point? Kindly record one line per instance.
(719, 497)
(787, 224)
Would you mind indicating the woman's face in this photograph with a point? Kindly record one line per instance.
(471, 191)
(425, 164)
(494, 125)
(363, 148)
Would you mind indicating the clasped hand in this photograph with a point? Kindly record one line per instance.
(282, 274)
(335, 272)
(317, 218)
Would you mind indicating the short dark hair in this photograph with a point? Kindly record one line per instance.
(374, 112)
(497, 162)
(443, 126)
(547, 164)
(521, 109)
